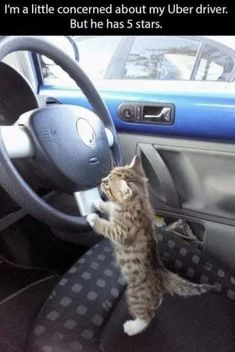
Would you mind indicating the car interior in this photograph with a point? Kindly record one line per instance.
(60, 287)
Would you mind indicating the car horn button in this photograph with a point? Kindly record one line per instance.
(86, 132)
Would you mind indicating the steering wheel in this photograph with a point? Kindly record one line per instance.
(72, 146)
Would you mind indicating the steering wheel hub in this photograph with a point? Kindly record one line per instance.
(71, 146)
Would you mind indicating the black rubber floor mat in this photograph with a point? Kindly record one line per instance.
(18, 313)
(198, 324)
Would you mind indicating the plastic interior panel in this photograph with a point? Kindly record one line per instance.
(201, 115)
(203, 173)
(203, 179)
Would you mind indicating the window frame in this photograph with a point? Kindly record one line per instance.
(219, 46)
(119, 58)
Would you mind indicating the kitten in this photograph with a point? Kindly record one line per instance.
(131, 228)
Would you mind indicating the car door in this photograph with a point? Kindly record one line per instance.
(172, 100)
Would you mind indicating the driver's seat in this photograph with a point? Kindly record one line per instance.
(87, 308)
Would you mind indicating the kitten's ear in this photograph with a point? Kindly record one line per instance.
(125, 189)
(136, 164)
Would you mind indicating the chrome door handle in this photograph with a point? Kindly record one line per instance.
(164, 114)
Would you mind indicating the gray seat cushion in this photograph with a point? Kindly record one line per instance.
(73, 316)
(78, 310)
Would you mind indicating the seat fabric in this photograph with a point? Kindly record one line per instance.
(72, 318)
(76, 313)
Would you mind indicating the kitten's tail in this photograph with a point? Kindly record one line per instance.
(175, 284)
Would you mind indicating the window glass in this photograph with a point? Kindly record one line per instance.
(215, 65)
(94, 56)
(165, 58)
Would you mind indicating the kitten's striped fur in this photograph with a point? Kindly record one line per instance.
(130, 226)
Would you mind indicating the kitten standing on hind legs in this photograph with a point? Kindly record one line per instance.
(130, 227)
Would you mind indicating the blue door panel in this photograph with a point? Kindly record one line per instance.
(197, 115)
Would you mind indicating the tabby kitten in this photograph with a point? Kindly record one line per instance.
(131, 228)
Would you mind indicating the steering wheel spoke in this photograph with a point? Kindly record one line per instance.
(85, 199)
(17, 141)
(110, 137)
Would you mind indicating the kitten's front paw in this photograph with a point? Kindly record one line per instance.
(91, 219)
(97, 204)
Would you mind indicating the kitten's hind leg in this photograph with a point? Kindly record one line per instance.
(134, 327)
(141, 310)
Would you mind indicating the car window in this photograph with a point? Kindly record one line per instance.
(215, 65)
(168, 58)
(148, 58)
(94, 56)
